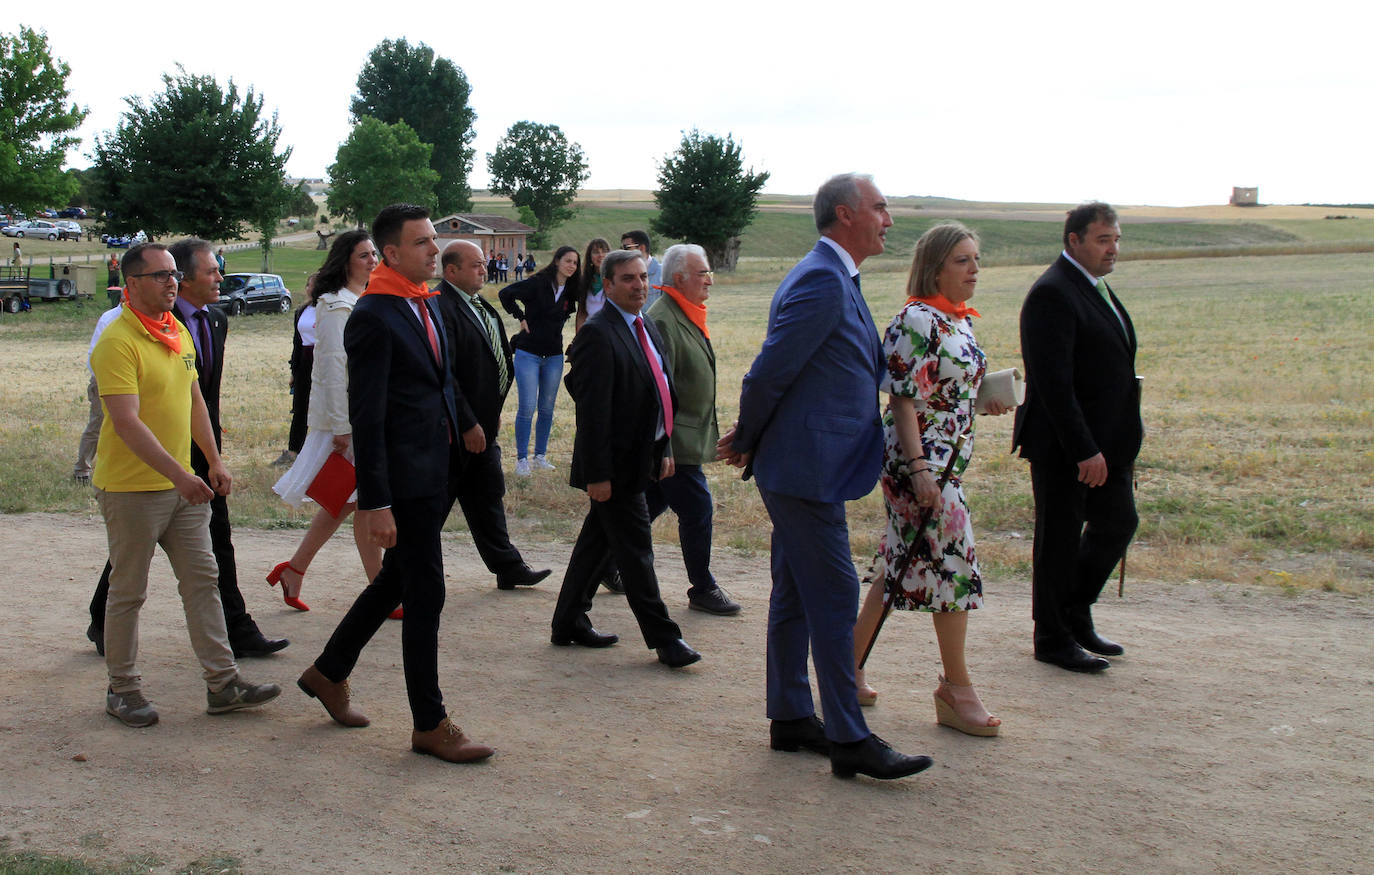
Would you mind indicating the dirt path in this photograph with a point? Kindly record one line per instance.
(1235, 737)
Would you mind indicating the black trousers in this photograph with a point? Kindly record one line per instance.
(300, 398)
(412, 576)
(236, 617)
(1080, 535)
(621, 527)
(479, 486)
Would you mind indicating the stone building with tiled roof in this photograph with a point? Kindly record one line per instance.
(497, 235)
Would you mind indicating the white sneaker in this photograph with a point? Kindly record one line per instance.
(522, 467)
(543, 464)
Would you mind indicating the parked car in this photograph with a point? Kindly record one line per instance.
(114, 241)
(38, 229)
(72, 213)
(69, 230)
(49, 214)
(254, 293)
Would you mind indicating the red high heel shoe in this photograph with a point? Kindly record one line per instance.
(274, 578)
(398, 614)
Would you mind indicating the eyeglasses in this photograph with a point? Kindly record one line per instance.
(706, 274)
(161, 276)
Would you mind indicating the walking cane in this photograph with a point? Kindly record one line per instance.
(890, 581)
(1135, 485)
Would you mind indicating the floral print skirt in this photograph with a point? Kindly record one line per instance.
(943, 572)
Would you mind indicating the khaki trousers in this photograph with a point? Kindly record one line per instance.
(136, 522)
(85, 453)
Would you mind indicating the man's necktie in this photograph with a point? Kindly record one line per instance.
(429, 329)
(207, 352)
(856, 283)
(1106, 294)
(664, 398)
(494, 339)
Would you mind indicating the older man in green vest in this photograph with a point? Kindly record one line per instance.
(680, 315)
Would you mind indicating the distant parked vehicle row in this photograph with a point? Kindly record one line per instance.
(37, 229)
(241, 293)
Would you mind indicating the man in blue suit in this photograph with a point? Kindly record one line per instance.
(808, 432)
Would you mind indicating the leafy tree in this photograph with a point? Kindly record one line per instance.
(301, 203)
(706, 196)
(195, 159)
(275, 202)
(539, 170)
(35, 123)
(405, 83)
(380, 164)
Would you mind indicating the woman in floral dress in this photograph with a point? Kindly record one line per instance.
(934, 367)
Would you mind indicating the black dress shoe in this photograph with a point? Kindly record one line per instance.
(1088, 639)
(713, 602)
(677, 654)
(613, 582)
(874, 758)
(1071, 657)
(587, 637)
(257, 645)
(521, 575)
(804, 733)
(96, 635)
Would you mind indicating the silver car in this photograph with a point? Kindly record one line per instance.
(38, 229)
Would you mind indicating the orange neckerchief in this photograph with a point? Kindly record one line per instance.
(945, 305)
(694, 312)
(163, 330)
(385, 281)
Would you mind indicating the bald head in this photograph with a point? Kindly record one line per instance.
(464, 266)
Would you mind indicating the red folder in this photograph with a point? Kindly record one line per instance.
(334, 484)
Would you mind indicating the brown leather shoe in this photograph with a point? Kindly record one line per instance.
(447, 742)
(334, 697)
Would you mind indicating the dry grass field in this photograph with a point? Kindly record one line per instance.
(1257, 464)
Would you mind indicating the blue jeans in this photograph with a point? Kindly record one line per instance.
(688, 495)
(536, 385)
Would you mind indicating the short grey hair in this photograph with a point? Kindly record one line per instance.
(837, 190)
(675, 260)
(615, 257)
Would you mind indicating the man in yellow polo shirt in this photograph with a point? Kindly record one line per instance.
(145, 366)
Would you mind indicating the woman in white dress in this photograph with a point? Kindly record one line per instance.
(337, 287)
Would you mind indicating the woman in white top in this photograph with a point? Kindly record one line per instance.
(346, 270)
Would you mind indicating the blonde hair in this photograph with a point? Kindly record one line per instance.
(932, 249)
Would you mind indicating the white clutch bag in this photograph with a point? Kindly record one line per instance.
(1007, 387)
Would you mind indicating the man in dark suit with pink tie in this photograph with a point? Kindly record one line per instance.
(619, 382)
(401, 404)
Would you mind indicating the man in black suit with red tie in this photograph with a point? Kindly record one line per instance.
(482, 368)
(401, 404)
(620, 386)
(197, 293)
(1080, 429)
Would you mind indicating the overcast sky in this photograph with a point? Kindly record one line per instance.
(1165, 102)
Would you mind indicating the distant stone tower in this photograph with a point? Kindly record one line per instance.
(1244, 197)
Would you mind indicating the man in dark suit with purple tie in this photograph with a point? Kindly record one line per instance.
(401, 404)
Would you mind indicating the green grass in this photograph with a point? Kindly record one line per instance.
(38, 863)
(790, 233)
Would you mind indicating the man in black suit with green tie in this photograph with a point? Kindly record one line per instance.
(1080, 429)
(482, 368)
